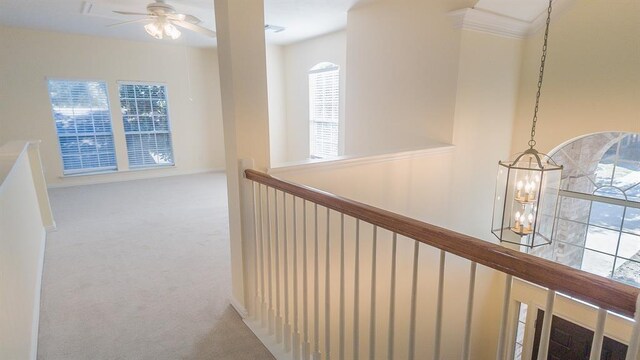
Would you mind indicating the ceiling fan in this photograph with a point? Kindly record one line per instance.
(162, 20)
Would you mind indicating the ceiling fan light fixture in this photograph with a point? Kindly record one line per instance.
(154, 30)
(171, 31)
(161, 28)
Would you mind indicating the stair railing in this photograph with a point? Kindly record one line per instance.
(295, 231)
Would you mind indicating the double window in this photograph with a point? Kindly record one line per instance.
(83, 124)
(324, 110)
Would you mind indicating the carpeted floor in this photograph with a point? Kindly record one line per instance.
(140, 270)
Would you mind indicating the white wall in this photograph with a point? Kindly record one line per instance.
(592, 78)
(278, 131)
(299, 58)
(22, 240)
(403, 67)
(485, 106)
(29, 57)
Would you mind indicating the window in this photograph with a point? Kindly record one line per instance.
(83, 122)
(598, 221)
(324, 110)
(146, 124)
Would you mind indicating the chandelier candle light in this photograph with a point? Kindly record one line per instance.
(527, 188)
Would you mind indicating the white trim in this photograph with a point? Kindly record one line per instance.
(51, 228)
(239, 308)
(501, 25)
(349, 161)
(490, 23)
(269, 341)
(35, 325)
(101, 179)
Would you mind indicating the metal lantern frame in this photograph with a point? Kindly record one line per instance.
(540, 201)
(527, 191)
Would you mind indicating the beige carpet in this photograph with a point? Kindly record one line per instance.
(140, 270)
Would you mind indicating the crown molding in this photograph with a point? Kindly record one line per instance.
(501, 25)
(488, 22)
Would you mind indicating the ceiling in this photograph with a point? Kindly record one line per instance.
(525, 10)
(302, 18)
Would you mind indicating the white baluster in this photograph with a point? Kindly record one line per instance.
(306, 346)
(264, 312)
(316, 292)
(598, 335)
(341, 333)
(285, 255)
(327, 293)
(296, 329)
(469, 320)
(277, 250)
(258, 294)
(505, 318)
(438, 332)
(543, 349)
(272, 319)
(356, 296)
(392, 296)
(372, 315)
(634, 342)
(414, 300)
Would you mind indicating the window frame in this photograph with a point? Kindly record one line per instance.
(83, 171)
(169, 130)
(321, 67)
(621, 200)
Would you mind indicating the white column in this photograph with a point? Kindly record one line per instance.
(243, 83)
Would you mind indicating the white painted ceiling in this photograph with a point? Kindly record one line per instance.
(525, 10)
(302, 18)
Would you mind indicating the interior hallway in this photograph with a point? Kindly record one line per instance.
(140, 270)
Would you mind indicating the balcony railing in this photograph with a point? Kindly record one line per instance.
(300, 240)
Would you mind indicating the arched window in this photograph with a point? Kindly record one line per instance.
(597, 226)
(324, 110)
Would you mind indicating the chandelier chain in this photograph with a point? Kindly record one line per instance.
(543, 60)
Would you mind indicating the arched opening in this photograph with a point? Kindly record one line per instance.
(597, 225)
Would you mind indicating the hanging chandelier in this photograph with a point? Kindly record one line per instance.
(527, 187)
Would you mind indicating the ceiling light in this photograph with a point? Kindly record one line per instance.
(161, 28)
(527, 188)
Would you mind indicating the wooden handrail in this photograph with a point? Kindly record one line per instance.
(597, 290)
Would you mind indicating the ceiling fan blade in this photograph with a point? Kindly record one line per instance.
(184, 17)
(196, 28)
(129, 22)
(130, 13)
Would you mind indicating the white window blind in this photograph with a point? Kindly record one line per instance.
(146, 124)
(83, 123)
(324, 110)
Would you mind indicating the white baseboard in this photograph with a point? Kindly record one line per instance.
(240, 309)
(269, 341)
(50, 228)
(128, 175)
(35, 325)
